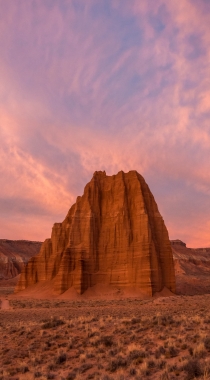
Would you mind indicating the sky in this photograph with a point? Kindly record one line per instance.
(110, 85)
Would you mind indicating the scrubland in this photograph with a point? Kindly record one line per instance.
(163, 338)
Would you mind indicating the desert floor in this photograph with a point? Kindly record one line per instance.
(162, 338)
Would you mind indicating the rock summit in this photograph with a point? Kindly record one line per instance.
(113, 235)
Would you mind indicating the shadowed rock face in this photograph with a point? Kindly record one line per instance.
(14, 254)
(113, 234)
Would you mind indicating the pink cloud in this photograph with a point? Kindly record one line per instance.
(75, 98)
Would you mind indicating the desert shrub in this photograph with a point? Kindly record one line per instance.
(37, 374)
(117, 363)
(93, 375)
(161, 364)
(172, 368)
(184, 346)
(135, 354)
(206, 371)
(151, 363)
(190, 351)
(155, 322)
(193, 369)
(101, 350)
(132, 371)
(172, 351)
(13, 330)
(121, 377)
(207, 343)
(72, 375)
(48, 344)
(199, 351)
(160, 351)
(50, 376)
(85, 367)
(54, 322)
(23, 368)
(135, 320)
(12, 371)
(165, 320)
(144, 369)
(113, 352)
(51, 366)
(90, 355)
(132, 338)
(7, 362)
(63, 344)
(61, 358)
(107, 340)
(112, 366)
(177, 323)
(164, 376)
(162, 320)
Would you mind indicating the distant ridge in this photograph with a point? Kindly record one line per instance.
(192, 269)
(177, 241)
(20, 240)
(14, 254)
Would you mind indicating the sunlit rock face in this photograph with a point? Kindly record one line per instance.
(113, 234)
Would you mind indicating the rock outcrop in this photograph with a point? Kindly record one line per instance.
(192, 269)
(113, 234)
(14, 254)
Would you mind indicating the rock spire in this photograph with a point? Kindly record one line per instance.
(113, 234)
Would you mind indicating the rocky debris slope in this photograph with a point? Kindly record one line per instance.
(113, 234)
(14, 254)
(192, 269)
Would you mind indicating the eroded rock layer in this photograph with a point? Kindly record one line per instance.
(113, 234)
(192, 269)
(14, 254)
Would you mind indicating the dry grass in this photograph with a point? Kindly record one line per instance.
(106, 340)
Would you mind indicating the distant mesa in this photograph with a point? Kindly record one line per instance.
(178, 242)
(112, 236)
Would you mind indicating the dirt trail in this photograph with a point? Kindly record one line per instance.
(4, 305)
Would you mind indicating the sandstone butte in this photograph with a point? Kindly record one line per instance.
(113, 235)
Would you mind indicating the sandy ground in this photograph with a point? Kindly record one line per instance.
(159, 338)
(44, 290)
(4, 304)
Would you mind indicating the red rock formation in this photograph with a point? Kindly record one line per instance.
(113, 234)
(192, 269)
(14, 254)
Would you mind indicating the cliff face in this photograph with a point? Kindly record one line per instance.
(113, 234)
(14, 254)
(192, 269)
